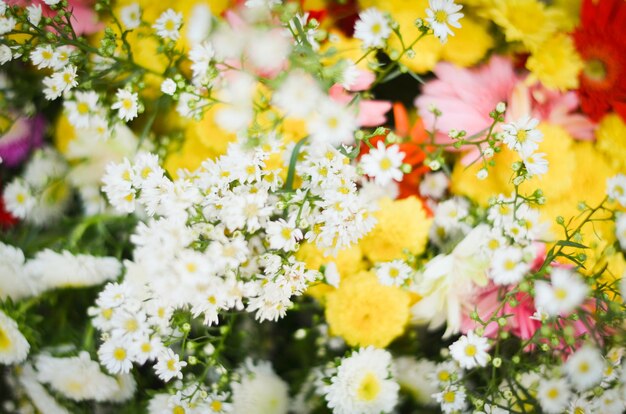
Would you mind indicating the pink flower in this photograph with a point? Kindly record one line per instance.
(84, 18)
(465, 98)
(371, 112)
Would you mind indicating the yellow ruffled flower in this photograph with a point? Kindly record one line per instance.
(528, 21)
(556, 63)
(611, 140)
(364, 312)
(469, 44)
(401, 225)
(202, 139)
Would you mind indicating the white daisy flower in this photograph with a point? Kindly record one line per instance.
(440, 15)
(82, 109)
(522, 135)
(452, 399)
(168, 86)
(585, 367)
(561, 297)
(43, 56)
(168, 25)
(508, 265)
(434, 185)
(169, 365)
(616, 188)
(372, 28)
(383, 163)
(19, 199)
(13, 346)
(363, 384)
(7, 24)
(283, 235)
(115, 355)
(535, 163)
(131, 16)
(333, 123)
(34, 14)
(611, 402)
(126, 104)
(553, 395)
(470, 351)
(393, 273)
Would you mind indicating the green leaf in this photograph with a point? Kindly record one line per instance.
(568, 243)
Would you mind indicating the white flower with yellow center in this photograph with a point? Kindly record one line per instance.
(553, 395)
(522, 135)
(168, 25)
(383, 163)
(115, 356)
(259, 391)
(19, 199)
(13, 346)
(372, 28)
(535, 163)
(126, 104)
(563, 295)
(441, 14)
(508, 265)
(363, 384)
(470, 351)
(393, 273)
(452, 399)
(585, 367)
(82, 109)
(616, 188)
(169, 365)
(131, 16)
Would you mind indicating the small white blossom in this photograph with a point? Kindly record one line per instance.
(561, 297)
(616, 188)
(372, 28)
(168, 25)
(440, 15)
(470, 351)
(131, 16)
(168, 86)
(383, 163)
(126, 104)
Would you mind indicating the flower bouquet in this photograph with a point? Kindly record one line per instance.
(339, 206)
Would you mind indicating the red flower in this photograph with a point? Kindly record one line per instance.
(6, 219)
(601, 41)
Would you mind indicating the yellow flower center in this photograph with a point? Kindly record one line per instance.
(376, 28)
(470, 350)
(107, 313)
(82, 108)
(171, 365)
(443, 376)
(394, 273)
(131, 325)
(286, 233)
(560, 293)
(5, 342)
(47, 55)
(509, 264)
(493, 244)
(553, 393)
(178, 410)
(20, 198)
(146, 347)
(191, 267)
(170, 25)
(441, 16)
(522, 135)
(216, 405)
(332, 122)
(583, 367)
(127, 103)
(449, 397)
(369, 388)
(119, 354)
(385, 164)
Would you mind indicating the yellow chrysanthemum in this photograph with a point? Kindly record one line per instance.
(556, 144)
(469, 44)
(402, 225)
(527, 21)
(348, 261)
(556, 63)
(570, 11)
(364, 312)
(203, 139)
(611, 140)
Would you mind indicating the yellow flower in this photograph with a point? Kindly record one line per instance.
(557, 144)
(402, 225)
(364, 312)
(556, 63)
(202, 139)
(611, 140)
(469, 44)
(528, 21)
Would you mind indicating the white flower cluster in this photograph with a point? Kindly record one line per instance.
(221, 238)
(524, 137)
(40, 195)
(21, 278)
